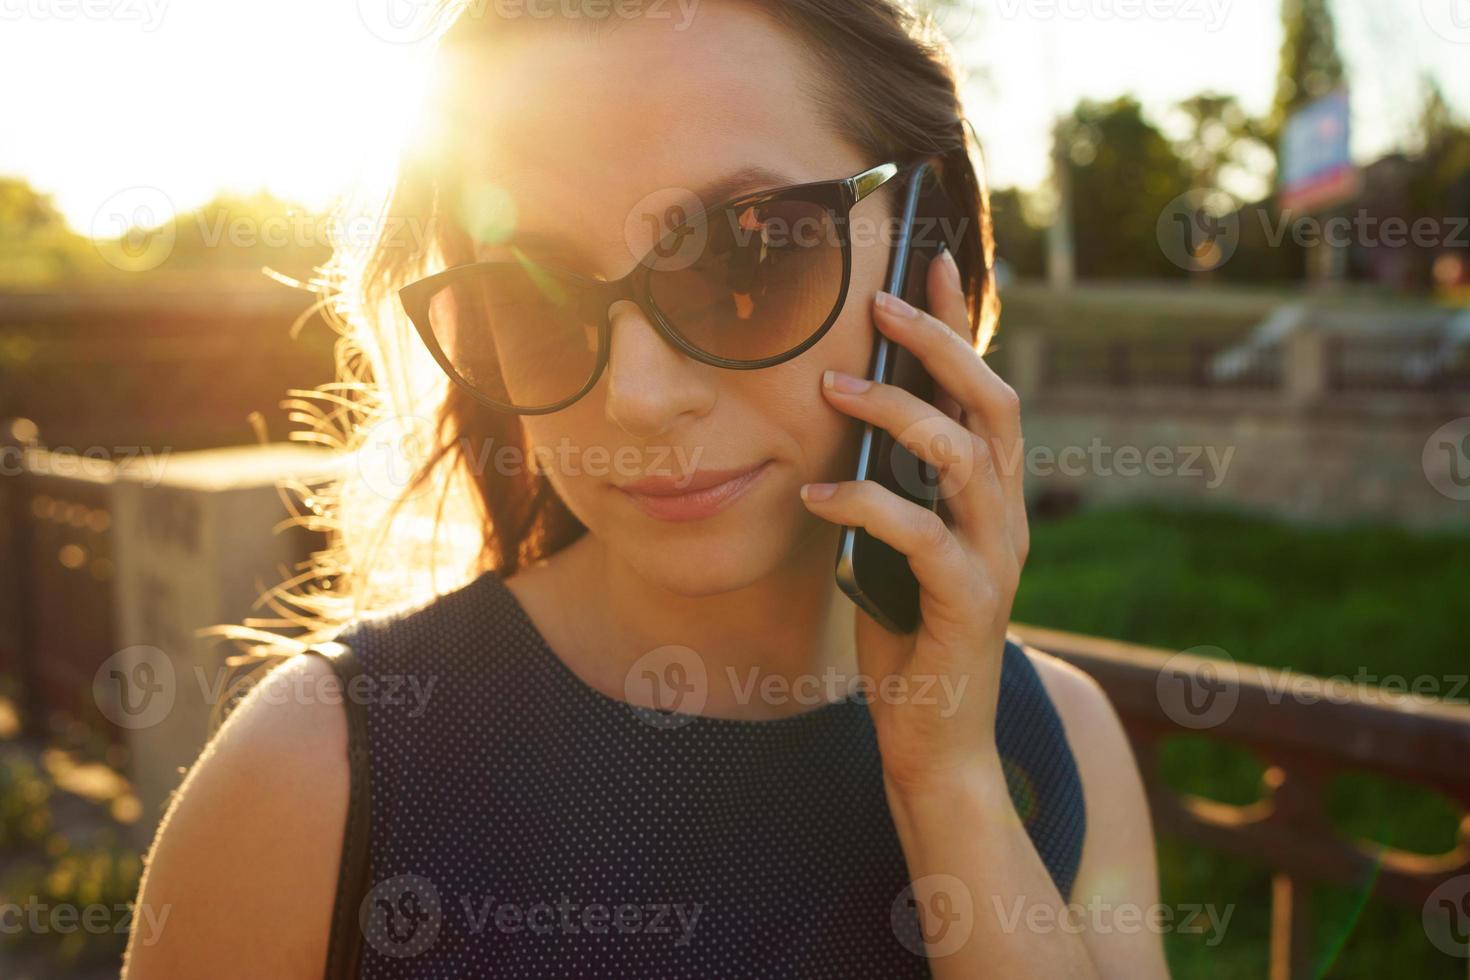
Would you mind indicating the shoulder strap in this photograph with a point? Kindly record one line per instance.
(344, 953)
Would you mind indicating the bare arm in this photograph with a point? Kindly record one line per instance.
(972, 866)
(988, 899)
(241, 877)
(1117, 887)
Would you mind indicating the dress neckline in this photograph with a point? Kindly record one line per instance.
(843, 707)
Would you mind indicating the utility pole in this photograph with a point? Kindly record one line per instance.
(1061, 263)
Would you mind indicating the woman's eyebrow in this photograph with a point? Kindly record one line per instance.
(750, 178)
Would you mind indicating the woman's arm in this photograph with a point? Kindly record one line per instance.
(989, 902)
(1117, 887)
(985, 899)
(241, 878)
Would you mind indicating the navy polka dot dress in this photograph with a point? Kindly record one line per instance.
(508, 820)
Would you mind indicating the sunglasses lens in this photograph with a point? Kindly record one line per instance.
(762, 278)
(517, 333)
(745, 283)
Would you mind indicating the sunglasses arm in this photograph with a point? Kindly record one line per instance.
(869, 181)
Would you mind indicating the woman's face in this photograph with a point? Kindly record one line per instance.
(590, 134)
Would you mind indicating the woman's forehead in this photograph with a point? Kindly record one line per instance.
(577, 131)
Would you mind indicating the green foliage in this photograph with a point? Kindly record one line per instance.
(69, 903)
(1351, 601)
(1313, 599)
(25, 803)
(1310, 65)
(76, 909)
(1017, 241)
(1222, 138)
(232, 235)
(1441, 182)
(36, 246)
(246, 232)
(23, 210)
(1123, 173)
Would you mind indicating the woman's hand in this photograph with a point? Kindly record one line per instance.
(936, 729)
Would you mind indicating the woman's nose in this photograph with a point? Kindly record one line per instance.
(652, 386)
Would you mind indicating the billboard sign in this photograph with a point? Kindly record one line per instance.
(1317, 170)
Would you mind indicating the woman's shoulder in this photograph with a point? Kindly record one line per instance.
(463, 615)
(1091, 725)
(1111, 782)
(260, 818)
(1074, 692)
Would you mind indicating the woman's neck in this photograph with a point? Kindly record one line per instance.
(776, 647)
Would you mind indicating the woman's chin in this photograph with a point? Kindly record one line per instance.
(704, 568)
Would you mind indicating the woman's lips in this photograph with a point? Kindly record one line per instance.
(708, 492)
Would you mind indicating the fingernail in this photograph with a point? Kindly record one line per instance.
(818, 491)
(895, 306)
(838, 381)
(951, 267)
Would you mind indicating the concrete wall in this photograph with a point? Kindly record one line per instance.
(1300, 451)
(195, 548)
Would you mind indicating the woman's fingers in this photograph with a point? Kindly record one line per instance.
(990, 405)
(946, 297)
(918, 426)
(968, 389)
(968, 482)
(939, 562)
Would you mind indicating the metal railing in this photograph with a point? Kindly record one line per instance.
(1158, 364)
(58, 624)
(1308, 731)
(1362, 364)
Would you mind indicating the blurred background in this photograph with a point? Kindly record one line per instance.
(1234, 243)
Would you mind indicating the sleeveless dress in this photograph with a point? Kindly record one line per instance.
(508, 820)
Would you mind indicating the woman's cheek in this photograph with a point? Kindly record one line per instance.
(852, 355)
(562, 453)
(828, 438)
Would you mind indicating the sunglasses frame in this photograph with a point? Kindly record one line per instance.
(839, 196)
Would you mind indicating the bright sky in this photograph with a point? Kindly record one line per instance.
(295, 96)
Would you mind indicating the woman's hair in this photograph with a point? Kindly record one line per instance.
(886, 82)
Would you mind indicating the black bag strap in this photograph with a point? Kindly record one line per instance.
(344, 954)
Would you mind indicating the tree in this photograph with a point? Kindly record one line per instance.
(24, 211)
(1310, 65)
(1440, 185)
(232, 234)
(36, 247)
(245, 232)
(1124, 174)
(1018, 241)
(1224, 147)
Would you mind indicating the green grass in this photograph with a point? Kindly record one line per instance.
(1347, 601)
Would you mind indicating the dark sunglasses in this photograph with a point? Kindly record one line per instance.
(747, 284)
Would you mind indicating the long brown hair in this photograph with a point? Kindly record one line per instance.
(891, 88)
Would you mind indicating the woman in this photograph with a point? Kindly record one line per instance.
(640, 744)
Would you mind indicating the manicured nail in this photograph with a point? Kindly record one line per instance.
(895, 306)
(818, 491)
(845, 383)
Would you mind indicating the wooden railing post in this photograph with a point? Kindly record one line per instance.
(1306, 368)
(1026, 366)
(1291, 927)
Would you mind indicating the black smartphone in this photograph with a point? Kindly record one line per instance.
(873, 574)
